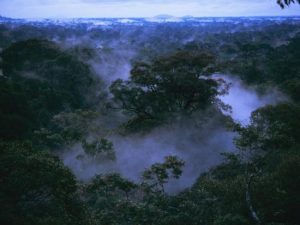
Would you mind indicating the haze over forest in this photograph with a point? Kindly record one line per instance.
(133, 113)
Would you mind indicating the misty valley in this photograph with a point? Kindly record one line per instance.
(140, 121)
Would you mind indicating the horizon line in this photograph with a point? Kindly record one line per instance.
(146, 17)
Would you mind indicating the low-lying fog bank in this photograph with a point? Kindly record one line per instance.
(198, 145)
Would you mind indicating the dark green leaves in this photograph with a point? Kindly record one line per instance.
(100, 149)
(167, 87)
(284, 3)
(40, 80)
(159, 173)
(35, 188)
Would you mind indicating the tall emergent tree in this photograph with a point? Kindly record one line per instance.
(168, 86)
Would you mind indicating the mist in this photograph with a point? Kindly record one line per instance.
(198, 140)
(200, 150)
(149, 112)
(244, 99)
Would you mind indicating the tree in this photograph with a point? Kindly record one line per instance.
(159, 173)
(67, 128)
(100, 149)
(284, 3)
(40, 80)
(267, 144)
(167, 87)
(110, 184)
(272, 128)
(109, 199)
(35, 188)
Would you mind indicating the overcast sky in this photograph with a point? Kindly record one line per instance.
(141, 8)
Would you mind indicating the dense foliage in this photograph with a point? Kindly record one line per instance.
(39, 80)
(52, 101)
(36, 188)
(169, 86)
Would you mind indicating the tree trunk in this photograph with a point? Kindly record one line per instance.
(253, 213)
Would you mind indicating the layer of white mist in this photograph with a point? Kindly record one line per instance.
(114, 65)
(198, 144)
(244, 99)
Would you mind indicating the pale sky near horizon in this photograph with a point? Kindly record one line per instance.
(142, 8)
